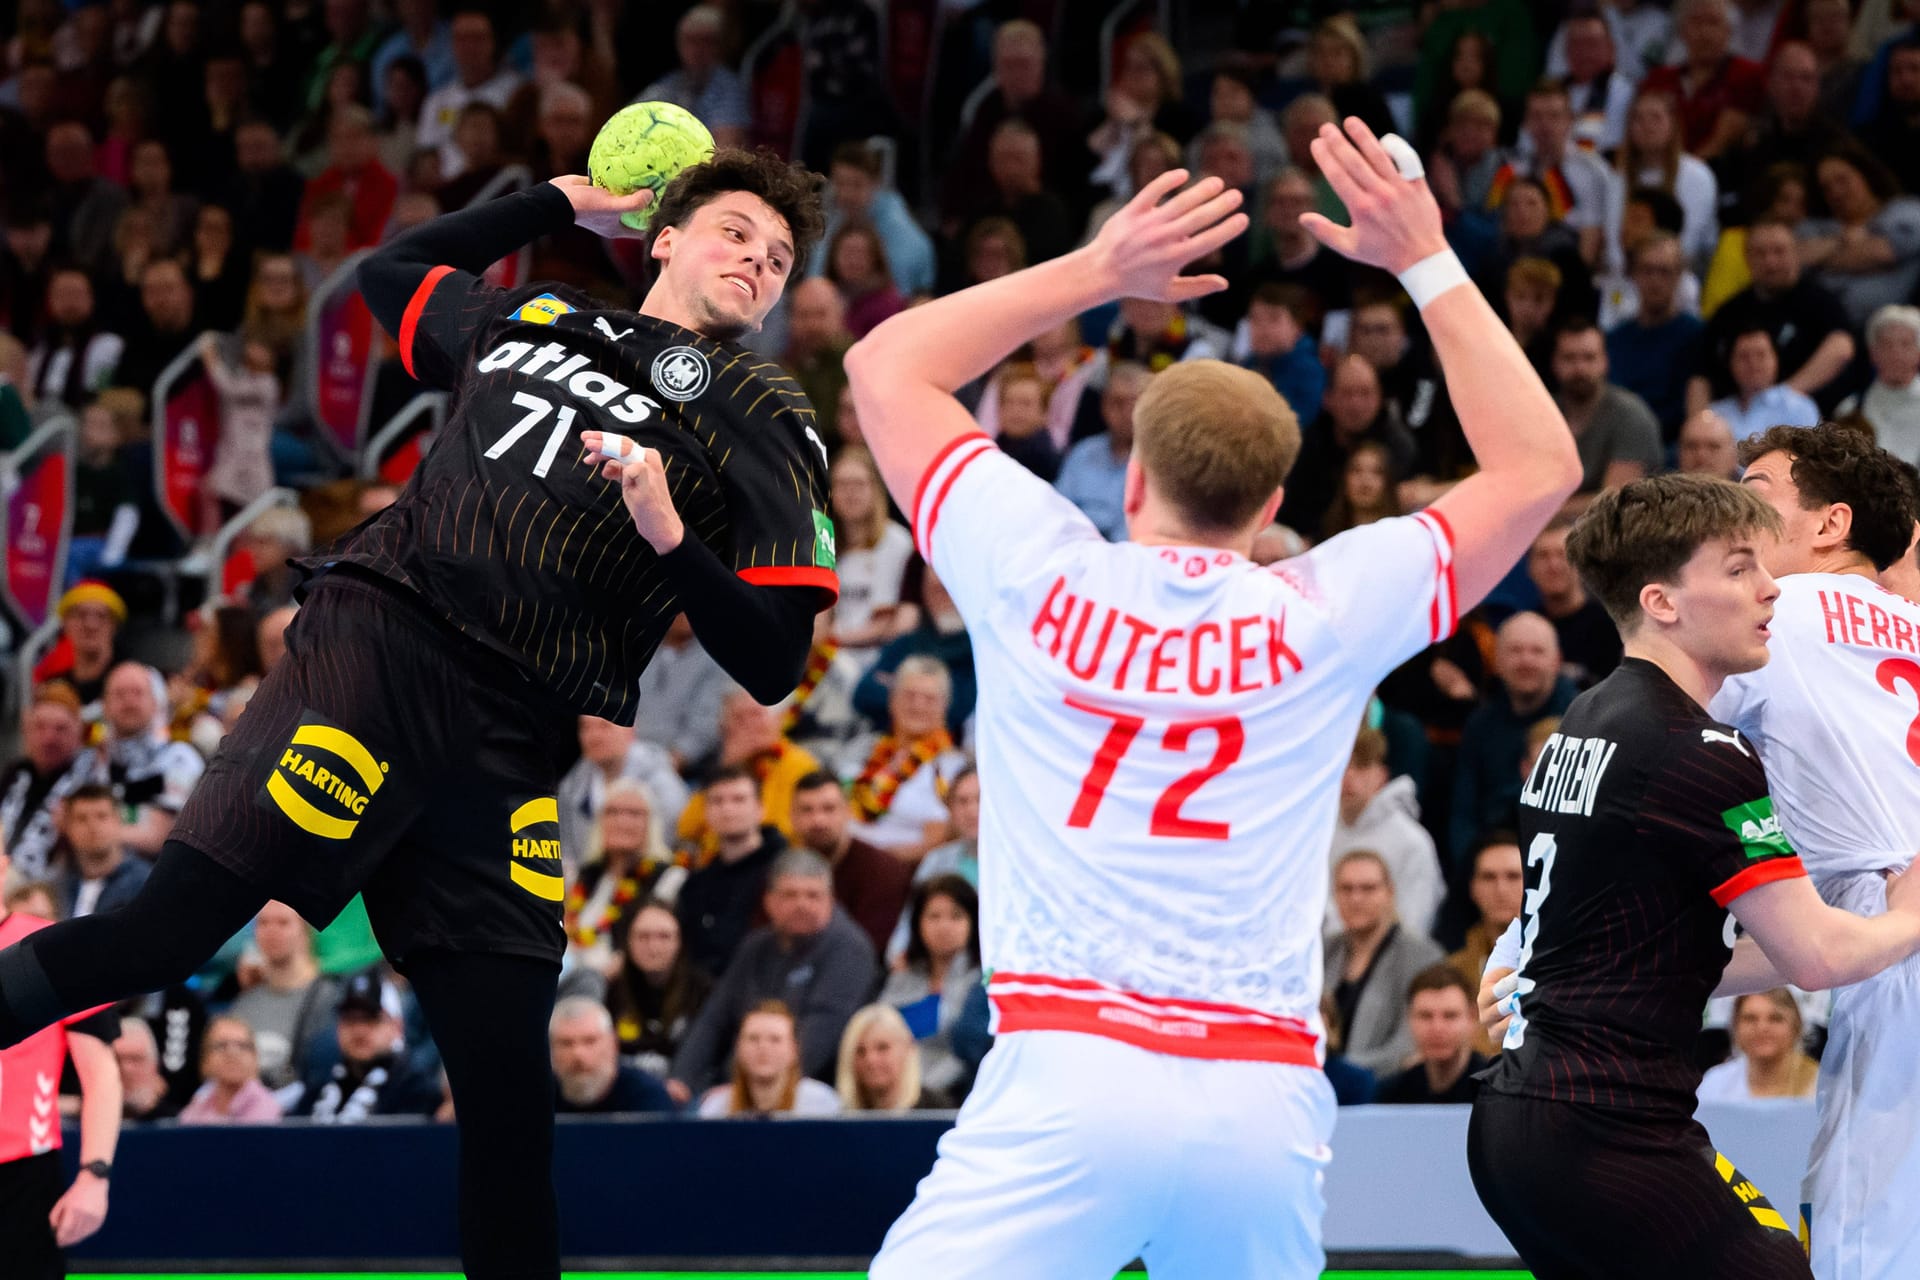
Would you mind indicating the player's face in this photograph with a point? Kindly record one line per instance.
(1442, 1023)
(1771, 476)
(1725, 601)
(727, 264)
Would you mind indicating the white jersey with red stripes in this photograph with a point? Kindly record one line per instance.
(1162, 733)
(1836, 716)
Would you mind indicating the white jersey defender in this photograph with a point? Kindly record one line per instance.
(1835, 715)
(1161, 733)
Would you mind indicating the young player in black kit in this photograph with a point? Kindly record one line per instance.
(407, 744)
(1644, 822)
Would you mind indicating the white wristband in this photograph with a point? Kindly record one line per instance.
(1432, 276)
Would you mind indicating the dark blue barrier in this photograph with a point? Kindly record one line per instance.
(628, 1189)
(791, 1189)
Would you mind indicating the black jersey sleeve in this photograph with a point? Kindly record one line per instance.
(1709, 801)
(425, 287)
(759, 635)
(776, 490)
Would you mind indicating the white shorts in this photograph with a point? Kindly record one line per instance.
(1076, 1154)
(1863, 1174)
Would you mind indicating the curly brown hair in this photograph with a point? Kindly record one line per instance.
(790, 190)
(1836, 463)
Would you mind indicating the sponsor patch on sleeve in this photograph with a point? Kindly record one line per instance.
(1758, 829)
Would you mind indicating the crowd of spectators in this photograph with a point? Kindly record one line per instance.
(1699, 219)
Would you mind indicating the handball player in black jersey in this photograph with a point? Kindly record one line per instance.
(407, 745)
(1644, 823)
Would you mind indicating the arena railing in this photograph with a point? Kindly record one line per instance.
(36, 533)
(391, 437)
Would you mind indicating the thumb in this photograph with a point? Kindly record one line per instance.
(1342, 240)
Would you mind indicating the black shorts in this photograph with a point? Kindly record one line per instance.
(388, 754)
(1599, 1193)
(29, 1188)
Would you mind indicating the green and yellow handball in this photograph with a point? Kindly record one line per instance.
(642, 147)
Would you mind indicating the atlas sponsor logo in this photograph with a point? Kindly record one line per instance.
(559, 365)
(324, 780)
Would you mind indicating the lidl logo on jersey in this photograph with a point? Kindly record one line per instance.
(1757, 828)
(681, 373)
(825, 551)
(534, 862)
(544, 309)
(324, 779)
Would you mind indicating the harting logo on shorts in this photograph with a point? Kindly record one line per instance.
(323, 780)
(535, 866)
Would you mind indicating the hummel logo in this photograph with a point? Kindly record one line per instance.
(1733, 739)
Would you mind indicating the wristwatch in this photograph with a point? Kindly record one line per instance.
(100, 1169)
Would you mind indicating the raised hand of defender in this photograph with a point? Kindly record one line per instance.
(598, 209)
(1395, 221)
(1143, 247)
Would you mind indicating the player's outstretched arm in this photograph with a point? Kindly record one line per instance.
(464, 243)
(1815, 946)
(903, 374)
(1528, 465)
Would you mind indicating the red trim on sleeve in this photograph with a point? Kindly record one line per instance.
(1761, 873)
(940, 495)
(410, 320)
(789, 575)
(946, 451)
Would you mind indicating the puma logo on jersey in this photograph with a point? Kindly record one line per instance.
(569, 367)
(600, 323)
(1732, 739)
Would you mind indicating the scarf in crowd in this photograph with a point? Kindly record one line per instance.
(588, 928)
(879, 782)
(819, 662)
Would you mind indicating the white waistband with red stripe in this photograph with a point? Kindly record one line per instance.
(1186, 1028)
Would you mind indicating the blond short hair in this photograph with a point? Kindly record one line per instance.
(1216, 440)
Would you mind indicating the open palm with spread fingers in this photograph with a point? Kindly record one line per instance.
(1162, 229)
(1396, 222)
